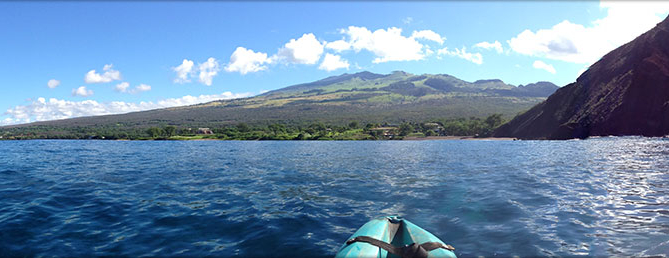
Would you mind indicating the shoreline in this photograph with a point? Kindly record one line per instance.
(427, 138)
(442, 138)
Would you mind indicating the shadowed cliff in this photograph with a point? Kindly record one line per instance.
(624, 93)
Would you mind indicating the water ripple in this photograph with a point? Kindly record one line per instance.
(598, 197)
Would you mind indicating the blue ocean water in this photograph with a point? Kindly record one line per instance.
(597, 197)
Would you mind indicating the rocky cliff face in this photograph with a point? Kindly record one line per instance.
(624, 93)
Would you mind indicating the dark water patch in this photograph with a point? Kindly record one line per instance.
(9, 172)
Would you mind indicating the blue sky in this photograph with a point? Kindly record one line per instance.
(68, 59)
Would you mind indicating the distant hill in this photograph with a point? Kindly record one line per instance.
(624, 93)
(363, 97)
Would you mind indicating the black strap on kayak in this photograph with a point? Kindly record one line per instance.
(408, 251)
(429, 246)
(378, 243)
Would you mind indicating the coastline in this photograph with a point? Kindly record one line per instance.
(427, 138)
(207, 138)
(458, 138)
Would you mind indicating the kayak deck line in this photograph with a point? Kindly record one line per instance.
(394, 236)
(413, 250)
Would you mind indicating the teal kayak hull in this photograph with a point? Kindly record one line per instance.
(393, 230)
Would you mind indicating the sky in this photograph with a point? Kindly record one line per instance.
(68, 59)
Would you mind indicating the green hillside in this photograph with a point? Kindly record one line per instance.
(362, 97)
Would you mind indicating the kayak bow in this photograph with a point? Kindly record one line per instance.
(394, 237)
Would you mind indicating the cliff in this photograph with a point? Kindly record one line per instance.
(625, 93)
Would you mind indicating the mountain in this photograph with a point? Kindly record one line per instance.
(625, 93)
(538, 89)
(364, 97)
(328, 81)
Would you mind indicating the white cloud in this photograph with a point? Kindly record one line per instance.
(487, 46)
(338, 45)
(428, 35)
(141, 88)
(82, 92)
(246, 61)
(192, 100)
(333, 62)
(544, 66)
(305, 50)
(184, 70)
(108, 75)
(387, 45)
(53, 83)
(476, 58)
(9, 121)
(576, 43)
(407, 20)
(43, 110)
(122, 87)
(208, 70)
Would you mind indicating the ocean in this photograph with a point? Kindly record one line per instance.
(597, 197)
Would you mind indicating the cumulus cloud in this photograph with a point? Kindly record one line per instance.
(82, 92)
(53, 83)
(52, 109)
(576, 43)
(208, 70)
(305, 50)
(108, 75)
(488, 45)
(142, 87)
(387, 45)
(338, 45)
(544, 66)
(183, 71)
(428, 35)
(122, 87)
(247, 61)
(476, 58)
(205, 71)
(333, 62)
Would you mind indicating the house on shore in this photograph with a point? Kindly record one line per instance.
(388, 132)
(436, 128)
(204, 131)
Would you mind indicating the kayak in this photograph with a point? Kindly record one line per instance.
(394, 236)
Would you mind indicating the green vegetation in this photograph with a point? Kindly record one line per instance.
(276, 131)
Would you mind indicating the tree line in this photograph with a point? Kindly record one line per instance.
(354, 130)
